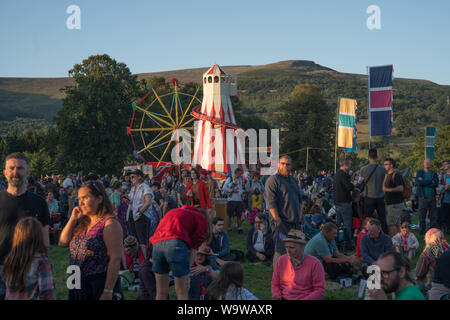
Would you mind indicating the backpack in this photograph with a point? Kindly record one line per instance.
(407, 188)
(224, 193)
(237, 255)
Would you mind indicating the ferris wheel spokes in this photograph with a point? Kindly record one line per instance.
(163, 106)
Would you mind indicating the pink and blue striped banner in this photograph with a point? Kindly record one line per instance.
(380, 100)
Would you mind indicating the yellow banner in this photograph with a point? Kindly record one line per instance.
(345, 138)
(346, 122)
(347, 106)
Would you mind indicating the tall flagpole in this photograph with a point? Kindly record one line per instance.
(368, 105)
(335, 143)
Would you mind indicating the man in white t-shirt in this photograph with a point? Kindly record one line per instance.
(138, 215)
(68, 182)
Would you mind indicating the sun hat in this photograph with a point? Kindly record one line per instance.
(295, 236)
(130, 244)
(136, 171)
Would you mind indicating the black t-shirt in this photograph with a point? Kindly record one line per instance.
(171, 203)
(441, 274)
(393, 197)
(14, 208)
(158, 197)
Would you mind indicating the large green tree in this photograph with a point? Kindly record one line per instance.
(96, 110)
(306, 120)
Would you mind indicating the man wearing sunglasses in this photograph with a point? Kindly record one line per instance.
(283, 198)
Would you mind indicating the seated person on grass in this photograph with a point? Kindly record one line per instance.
(361, 234)
(202, 273)
(323, 247)
(297, 275)
(375, 243)
(133, 254)
(440, 287)
(405, 242)
(260, 241)
(313, 224)
(220, 243)
(395, 279)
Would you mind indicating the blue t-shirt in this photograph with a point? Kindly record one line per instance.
(428, 192)
(447, 193)
(318, 246)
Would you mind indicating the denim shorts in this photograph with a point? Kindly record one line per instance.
(172, 255)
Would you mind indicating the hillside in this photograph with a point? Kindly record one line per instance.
(262, 90)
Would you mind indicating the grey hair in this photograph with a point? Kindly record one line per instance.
(344, 161)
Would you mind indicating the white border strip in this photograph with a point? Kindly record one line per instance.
(380, 89)
(380, 109)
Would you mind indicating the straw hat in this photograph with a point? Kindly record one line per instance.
(295, 236)
(130, 245)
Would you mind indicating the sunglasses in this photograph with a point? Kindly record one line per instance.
(92, 183)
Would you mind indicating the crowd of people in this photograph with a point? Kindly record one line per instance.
(135, 231)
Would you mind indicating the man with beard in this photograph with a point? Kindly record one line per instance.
(395, 278)
(17, 203)
(343, 200)
(283, 198)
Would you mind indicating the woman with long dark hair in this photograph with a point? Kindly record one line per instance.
(229, 285)
(94, 236)
(26, 271)
(197, 192)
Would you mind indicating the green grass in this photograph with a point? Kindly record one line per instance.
(257, 277)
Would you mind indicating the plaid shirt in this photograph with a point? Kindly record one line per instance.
(38, 283)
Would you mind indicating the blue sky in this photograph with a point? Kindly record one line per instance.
(160, 35)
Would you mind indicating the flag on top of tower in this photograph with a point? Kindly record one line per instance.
(380, 100)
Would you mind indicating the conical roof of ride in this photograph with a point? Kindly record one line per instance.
(215, 69)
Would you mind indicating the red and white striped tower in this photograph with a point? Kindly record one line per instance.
(212, 151)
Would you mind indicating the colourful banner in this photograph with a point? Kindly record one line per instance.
(346, 122)
(380, 100)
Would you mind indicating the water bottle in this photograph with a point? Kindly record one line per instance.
(341, 235)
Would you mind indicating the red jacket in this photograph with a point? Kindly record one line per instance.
(358, 242)
(185, 223)
(203, 194)
(130, 262)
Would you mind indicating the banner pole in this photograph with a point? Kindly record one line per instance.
(335, 143)
(368, 105)
(307, 157)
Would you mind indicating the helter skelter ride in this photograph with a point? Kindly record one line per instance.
(177, 105)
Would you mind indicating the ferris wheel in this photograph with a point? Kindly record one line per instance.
(158, 114)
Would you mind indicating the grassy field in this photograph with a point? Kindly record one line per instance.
(257, 277)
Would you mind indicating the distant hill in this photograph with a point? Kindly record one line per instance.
(262, 90)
